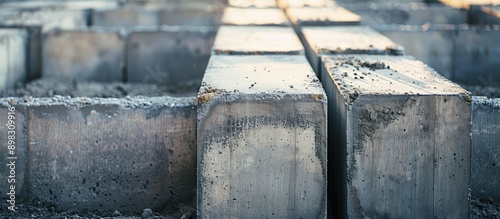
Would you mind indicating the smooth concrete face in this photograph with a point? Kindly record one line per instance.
(402, 139)
(13, 57)
(321, 41)
(252, 3)
(169, 56)
(261, 139)
(13, 135)
(125, 17)
(256, 40)
(485, 148)
(83, 55)
(407, 14)
(123, 154)
(254, 16)
(326, 16)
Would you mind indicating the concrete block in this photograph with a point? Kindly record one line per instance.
(475, 56)
(284, 4)
(125, 17)
(169, 56)
(192, 13)
(83, 55)
(256, 40)
(49, 19)
(434, 45)
(13, 57)
(347, 40)
(254, 16)
(261, 139)
(408, 13)
(329, 16)
(486, 148)
(466, 4)
(13, 135)
(486, 14)
(252, 3)
(112, 154)
(402, 138)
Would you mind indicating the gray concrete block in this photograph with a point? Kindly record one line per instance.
(261, 139)
(432, 45)
(326, 16)
(248, 40)
(13, 57)
(169, 55)
(408, 13)
(254, 16)
(485, 148)
(402, 138)
(192, 13)
(486, 14)
(283, 4)
(83, 55)
(252, 3)
(347, 40)
(13, 135)
(49, 19)
(126, 17)
(112, 154)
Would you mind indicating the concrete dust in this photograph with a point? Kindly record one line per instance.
(52, 87)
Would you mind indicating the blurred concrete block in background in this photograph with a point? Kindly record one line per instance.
(84, 55)
(125, 17)
(327, 16)
(192, 13)
(254, 16)
(13, 57)
(284, 4)
(252, 3)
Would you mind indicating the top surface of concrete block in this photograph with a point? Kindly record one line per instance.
(305, 3)
(467, 3)
(254, 16)
(252, 3)
(322, 16)
(349, 40)
(386, 75)
(256, 40)
(263, 75)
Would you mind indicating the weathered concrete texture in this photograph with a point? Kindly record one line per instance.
(283, 4)
(13, 56)
(123, 154)
(192, 13)
(408, 13)
(261, 139)
(252, 3)
(486, 148)
(13, 135)
(125, 17)
(327, 16)
(83, 55)
(169, 55)
(256, 40)
(321, 41)
(402, 138)
(254, 16)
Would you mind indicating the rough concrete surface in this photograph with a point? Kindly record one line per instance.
(123, 154)
(282, 173)
(169, 55)
(347, 40)
(403, 139)
(255, 40)
(252, 3)
(84, 55)
(486, 148)
(254, 16)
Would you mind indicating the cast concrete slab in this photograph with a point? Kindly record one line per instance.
(248, 40)
(321, 41)
(83, 55)
(402, 138)
(106, 153)
(254, 16)
(305, 3)
(252, 3)
(13, 56)
(169, 55)
(485, 148)
(325, 16)
(261, 139)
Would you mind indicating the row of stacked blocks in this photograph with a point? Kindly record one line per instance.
(397, 142)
